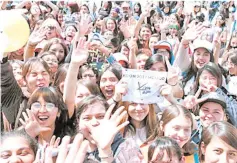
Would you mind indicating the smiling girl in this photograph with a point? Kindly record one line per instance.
(177, 123)
(222, 152)
(142, 120)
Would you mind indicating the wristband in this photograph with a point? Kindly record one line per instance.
(106, 157)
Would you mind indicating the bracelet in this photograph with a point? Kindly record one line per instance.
(106, 157)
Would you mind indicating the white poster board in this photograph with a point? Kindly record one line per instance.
(143, 85)
(232, 85)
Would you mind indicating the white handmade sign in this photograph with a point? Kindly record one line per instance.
(143, 85)
(232, 85)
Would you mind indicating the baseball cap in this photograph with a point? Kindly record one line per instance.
(214, 97)
(163, 45)
(203, 44)
(120, 57)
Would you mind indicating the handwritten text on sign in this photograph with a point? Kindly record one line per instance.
(143, 85)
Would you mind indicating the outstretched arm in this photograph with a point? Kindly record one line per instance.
(79, 56)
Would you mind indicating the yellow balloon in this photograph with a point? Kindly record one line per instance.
(14, 31)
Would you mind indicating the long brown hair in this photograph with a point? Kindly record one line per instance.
(54, 41)
(223, 130)
(169, 114)
(60, 76)
(50, 94)
(214, 70)
(150, 120)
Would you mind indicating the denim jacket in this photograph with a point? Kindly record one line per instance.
(231, 103)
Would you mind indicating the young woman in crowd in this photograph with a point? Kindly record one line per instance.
(92, 117)
(141, 59)
(209, 79)
(60, 76)
(51, 59)
(177, 123)
(142, 118)
(74, 91)
(89, 73)
(36, 73)
(165, 149)
(110, 85)
(17, 146)
(203, 54)
(57, 46)
(69, 33)
(160, 63)
(111, 25)
(226, 148)
(48, 115)
(150, 35)
(232, 73)
(17, 71)
(137, 10)
(212, 108)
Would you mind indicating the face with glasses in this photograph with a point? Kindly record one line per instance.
(50, 31)
(89, 75)
(45, 112)
(52, 62)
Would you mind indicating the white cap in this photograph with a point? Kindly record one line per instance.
(203, 44)
(120, 57)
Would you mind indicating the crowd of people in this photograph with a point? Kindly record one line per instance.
(62, 93)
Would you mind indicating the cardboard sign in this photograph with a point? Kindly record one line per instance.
(143, 85)
(232, 85)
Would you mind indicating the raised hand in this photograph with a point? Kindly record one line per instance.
(121, 88)
(166, 91)
(132, 44)
(66, 153)
(103, 134)
(209, 88)
(191, 101)
(193, 32)
(37, 36)
(80, 49)
(31, 125)
(173, 73)
(85, 24)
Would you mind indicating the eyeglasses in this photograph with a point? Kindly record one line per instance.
(51, 27)
(36, 106)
